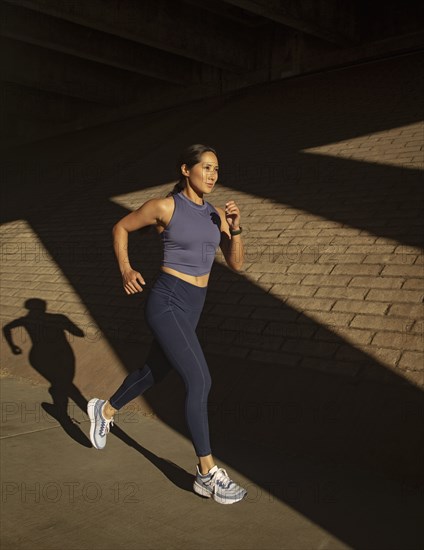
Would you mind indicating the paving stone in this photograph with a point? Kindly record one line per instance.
(380, 322)
(399, 340)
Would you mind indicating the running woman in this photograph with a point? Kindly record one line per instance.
(191, 230)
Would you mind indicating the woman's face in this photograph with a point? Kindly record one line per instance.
(204, 174)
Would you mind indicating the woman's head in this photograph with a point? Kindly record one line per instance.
(197, 164)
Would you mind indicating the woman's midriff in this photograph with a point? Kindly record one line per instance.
(201, 280)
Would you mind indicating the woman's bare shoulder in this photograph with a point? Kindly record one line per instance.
(161, 204)
(163, 201)
(165, 205)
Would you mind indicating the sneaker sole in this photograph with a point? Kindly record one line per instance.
(202, 491)
(90, 411)
(223, 500)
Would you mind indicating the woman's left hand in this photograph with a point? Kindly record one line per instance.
(232, 213)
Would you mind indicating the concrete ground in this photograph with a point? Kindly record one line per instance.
(60, 493)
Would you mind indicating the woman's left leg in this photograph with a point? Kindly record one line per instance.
(174, 329)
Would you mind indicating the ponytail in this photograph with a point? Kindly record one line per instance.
(179, 186)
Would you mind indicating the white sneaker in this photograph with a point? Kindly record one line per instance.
(100, 425)
(218, 485)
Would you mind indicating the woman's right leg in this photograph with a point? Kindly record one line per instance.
(156, 365)
(100, 411)
(155, 368)
(136, 383)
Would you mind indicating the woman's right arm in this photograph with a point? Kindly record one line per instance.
(149, 213)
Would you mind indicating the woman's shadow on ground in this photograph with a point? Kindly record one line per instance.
(52, 356)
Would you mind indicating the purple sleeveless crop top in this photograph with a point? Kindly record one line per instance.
(191, 238)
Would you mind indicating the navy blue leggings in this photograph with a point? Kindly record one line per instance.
(172, 311)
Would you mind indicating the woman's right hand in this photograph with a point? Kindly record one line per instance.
(132, 280)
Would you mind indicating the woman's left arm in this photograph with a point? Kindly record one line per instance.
(231, 245)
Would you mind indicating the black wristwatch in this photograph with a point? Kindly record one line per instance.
(236, 231)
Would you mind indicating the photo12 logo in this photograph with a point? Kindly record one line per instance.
(70, 492)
